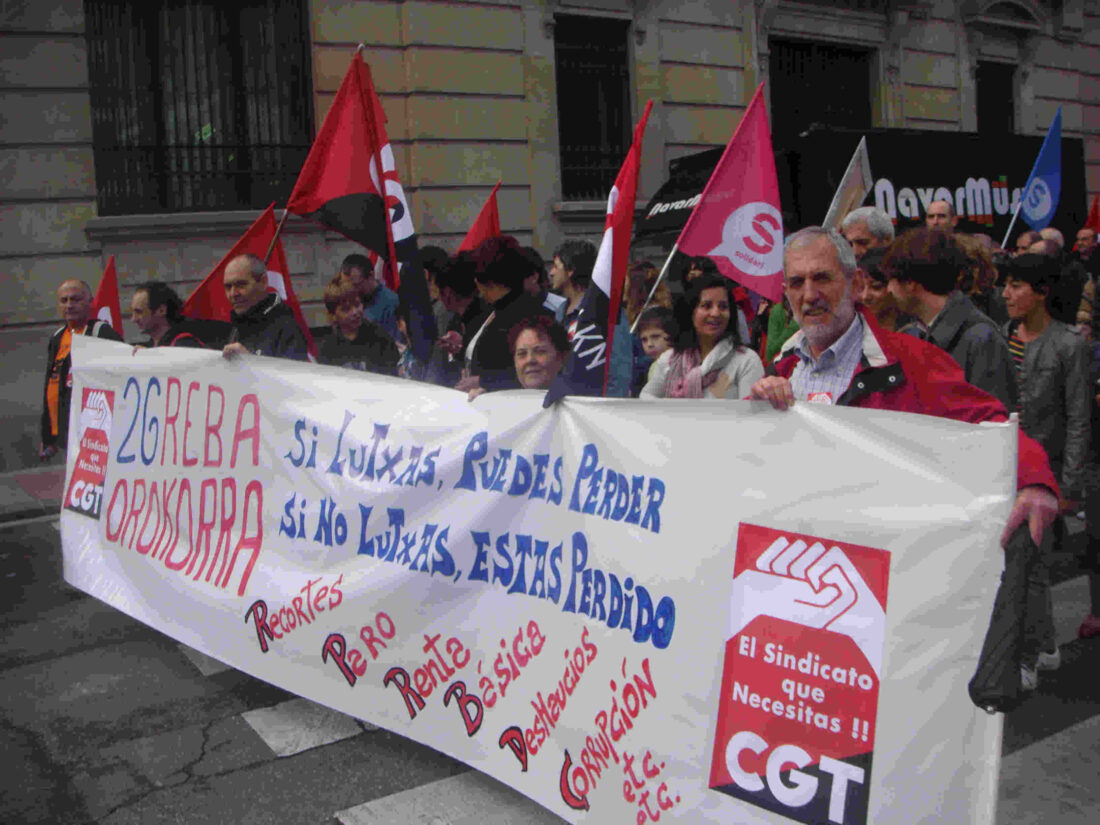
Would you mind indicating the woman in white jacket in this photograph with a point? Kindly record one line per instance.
(707, 360)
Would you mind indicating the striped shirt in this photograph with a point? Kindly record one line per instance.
(825, 379)
(1017, 348)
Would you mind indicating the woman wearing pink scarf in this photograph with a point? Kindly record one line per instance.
(707, 360)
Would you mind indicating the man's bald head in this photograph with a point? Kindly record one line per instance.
(245, 281)
(74, 302)
(1049, 233)
(1046, 247)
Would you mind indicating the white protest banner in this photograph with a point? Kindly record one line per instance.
(629, 611)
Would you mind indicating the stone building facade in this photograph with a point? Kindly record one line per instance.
(474, 94)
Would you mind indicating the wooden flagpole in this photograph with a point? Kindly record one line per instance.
(275, 237)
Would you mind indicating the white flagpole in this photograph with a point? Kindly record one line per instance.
(664, 269)
(1012, 223)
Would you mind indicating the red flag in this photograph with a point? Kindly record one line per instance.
(486, 225)
(613, 259)
(339, 185)
(1093, 221)
(585, 371)
(209, 300)
(105, 305)
(737, 222)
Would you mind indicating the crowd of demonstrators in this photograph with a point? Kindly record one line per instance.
(988, 333)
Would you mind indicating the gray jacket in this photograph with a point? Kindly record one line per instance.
(1056, 400)
(979, 347)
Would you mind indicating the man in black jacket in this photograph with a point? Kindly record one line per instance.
(74, 304)
(262, 323)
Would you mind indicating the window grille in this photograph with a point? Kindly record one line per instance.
(594, 121)
(815, 85)
(197, 105)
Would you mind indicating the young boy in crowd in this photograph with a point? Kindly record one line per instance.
(355, 342)
(657, 331)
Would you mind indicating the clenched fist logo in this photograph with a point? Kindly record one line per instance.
(95, 413)
(814, 586)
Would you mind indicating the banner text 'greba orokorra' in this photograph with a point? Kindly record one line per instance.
(628, 611)
(213, 530)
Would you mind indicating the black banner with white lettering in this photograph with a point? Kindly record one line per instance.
(980, 175)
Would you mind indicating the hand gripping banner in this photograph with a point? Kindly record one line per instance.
(628, 611)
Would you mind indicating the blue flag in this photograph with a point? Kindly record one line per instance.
(1040, 197)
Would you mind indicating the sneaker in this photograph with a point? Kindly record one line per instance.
(1049, 661)
(1029, 679)
(1089, 627)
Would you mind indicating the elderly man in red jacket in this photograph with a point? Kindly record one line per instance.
(841, 356)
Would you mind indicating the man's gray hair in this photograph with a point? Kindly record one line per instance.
(878, 222)
(1049, 233)
(810, 234)
(256, 266)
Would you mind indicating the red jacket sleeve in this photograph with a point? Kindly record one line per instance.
(944, 391)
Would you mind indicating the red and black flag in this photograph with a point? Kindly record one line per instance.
(340, 184)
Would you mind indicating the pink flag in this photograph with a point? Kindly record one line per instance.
(105, 305)
(486, 225)
(737, 222)
(209, 299)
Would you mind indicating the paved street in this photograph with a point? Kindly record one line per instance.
(105, 720)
